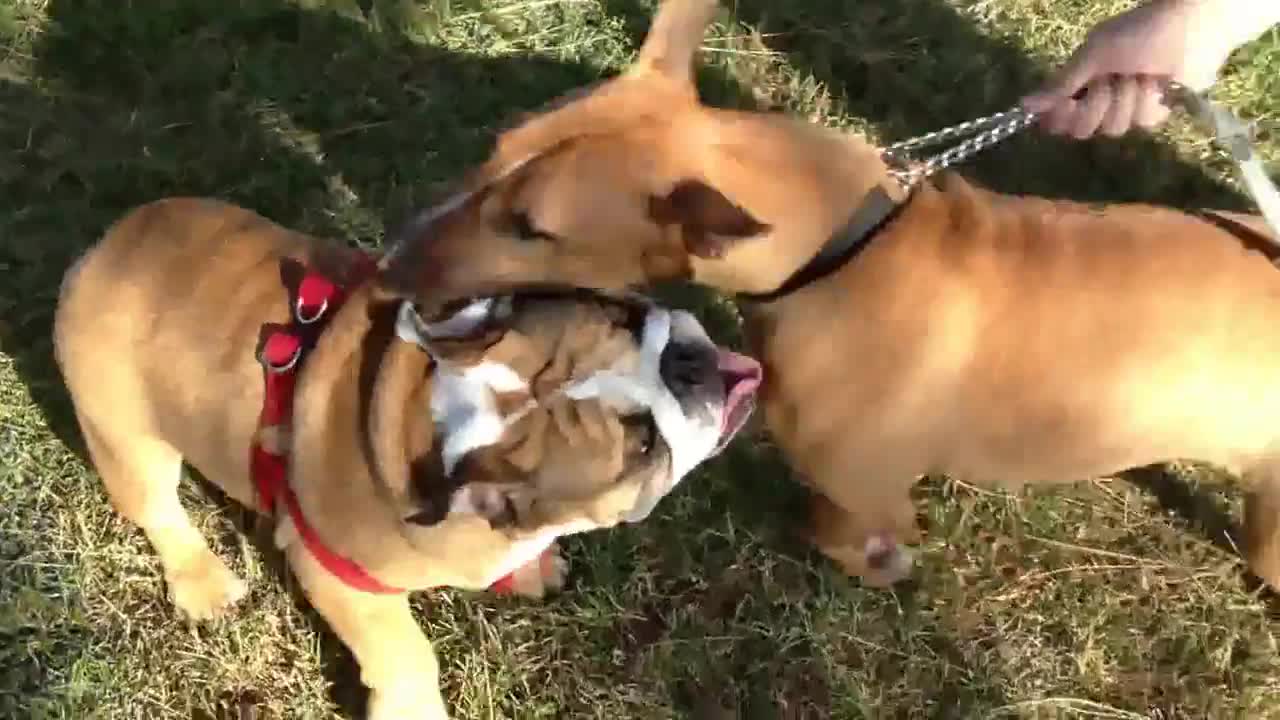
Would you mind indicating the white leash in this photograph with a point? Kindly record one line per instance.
(1228, 130)
(1234, 136)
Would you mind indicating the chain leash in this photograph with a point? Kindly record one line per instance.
(1228, 131)
(985, 132)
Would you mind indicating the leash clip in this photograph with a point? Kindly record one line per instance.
(1230, 131)
(1233, 135)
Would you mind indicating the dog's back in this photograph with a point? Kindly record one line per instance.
(125, 311)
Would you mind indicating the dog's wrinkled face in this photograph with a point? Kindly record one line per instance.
(620, 161)
(566, 412)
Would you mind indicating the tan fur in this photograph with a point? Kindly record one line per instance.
(1022, 341)
(1003, 339)
(155, 331)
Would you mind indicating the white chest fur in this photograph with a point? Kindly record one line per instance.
(462, 399)
(463, 407)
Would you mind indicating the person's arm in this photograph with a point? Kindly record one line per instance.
(1126, 61)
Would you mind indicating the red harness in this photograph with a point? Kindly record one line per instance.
(281, 351)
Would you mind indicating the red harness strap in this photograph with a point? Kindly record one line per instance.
(505, 585)
(281, 351)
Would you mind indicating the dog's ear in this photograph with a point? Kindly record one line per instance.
(458, 334)
(496, 502)
(674, 39)
(474, 488)
(711, 221)
(484, 485)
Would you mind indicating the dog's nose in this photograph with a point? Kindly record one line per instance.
(688, 366)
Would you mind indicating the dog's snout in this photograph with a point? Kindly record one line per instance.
(404, 262)
(416, 247)
(688, 366)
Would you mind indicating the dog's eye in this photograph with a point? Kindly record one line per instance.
(506, 517)
(630, 317)
(636, 317)
(643, 432)
(522, 227)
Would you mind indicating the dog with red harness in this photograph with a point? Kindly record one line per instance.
(392, 452)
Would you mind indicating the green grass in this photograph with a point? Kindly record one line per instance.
(1104, 600)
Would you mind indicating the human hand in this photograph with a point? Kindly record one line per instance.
(1125, 64)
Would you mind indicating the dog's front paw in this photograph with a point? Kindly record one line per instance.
(887, 562)
(545, 574)
(553, 569)
(205, 587)
(879, 561)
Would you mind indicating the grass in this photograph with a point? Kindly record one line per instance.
(1109, 599)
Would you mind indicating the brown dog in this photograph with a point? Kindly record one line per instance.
(421, 454)
(997, 338)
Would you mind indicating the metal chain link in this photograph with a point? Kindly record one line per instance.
(1228, 130)
(986, 131)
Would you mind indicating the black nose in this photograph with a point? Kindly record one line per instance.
(686, 366)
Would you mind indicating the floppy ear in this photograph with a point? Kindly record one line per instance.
(472, 490)
(710, 220)
(674, 39)
(479, 485)
(496, 502)
(459, 335)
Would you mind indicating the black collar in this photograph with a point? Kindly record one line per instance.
(875, 212)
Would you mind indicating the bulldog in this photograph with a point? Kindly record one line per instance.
(948, 330)
(392, 451)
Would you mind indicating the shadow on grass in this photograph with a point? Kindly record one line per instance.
(310, 117)
(1197, 509)
(327, 125)
(1200, 512)
(913, 66)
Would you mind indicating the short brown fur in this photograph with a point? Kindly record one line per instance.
(999, 338)
(155, 332)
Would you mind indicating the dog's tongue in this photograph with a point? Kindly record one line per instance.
(742, 376)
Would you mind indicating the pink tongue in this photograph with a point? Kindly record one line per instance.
(742, 376)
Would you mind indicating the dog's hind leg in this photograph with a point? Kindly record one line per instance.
(141, 474)
(866, 530)
(1262, 521)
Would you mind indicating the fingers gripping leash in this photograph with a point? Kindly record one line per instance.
(978, 134)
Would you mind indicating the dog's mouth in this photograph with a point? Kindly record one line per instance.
(742, 377)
